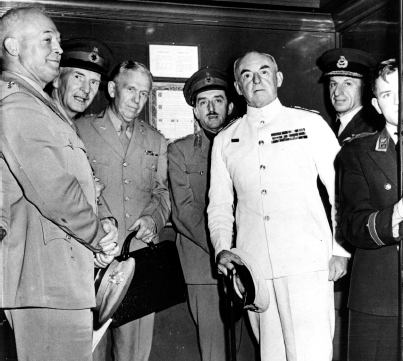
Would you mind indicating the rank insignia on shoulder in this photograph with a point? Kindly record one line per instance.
(9, 88)
(231, 122)
(301, 108)
(235, 140)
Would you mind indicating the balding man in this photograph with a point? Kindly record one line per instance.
(50, 206)
(267, 163)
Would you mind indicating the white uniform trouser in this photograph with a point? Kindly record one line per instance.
(299, 324)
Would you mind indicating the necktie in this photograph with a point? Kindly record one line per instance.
(336, 126)
(123, 136)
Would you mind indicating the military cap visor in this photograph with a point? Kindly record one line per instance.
(88, 54)
(203, 80)
(346, 62)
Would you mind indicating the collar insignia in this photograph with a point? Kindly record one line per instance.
(382, 144)
(342, 63)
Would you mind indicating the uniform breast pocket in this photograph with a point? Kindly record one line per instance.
(148, 168)
(198, 179)
(51, 232)
(100, 166)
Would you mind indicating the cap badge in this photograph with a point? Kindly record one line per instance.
(208, 79)
(116, 277)
(93, 56)
(342, 63)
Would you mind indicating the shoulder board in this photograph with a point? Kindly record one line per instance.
(300, 108)
(231, 122)
(150, 126)
(9, 87)
(194, 135)
(358, 136)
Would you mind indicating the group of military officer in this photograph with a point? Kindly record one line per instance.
(258, 173)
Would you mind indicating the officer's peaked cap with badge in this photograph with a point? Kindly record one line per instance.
(203, 80)
(346, 62)
(86, 53)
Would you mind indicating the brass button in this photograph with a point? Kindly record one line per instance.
(264, 192)
(126, 181)
(124, 164)
(127, 215)
(127, 198)
(261, 142)
(262, 122)
(266, 218)
(387, 186)
(262, 167)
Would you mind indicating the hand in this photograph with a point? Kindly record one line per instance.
(225, 260)
(337, 267)
(102, 259)
(107, 243)
(147, 229)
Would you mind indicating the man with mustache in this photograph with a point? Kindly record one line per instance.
(84, 63)
(130, 157)
(49, 202)
(264, 171)
(189, 170)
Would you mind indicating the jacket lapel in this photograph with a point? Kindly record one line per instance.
(103, 125)
(385, 160)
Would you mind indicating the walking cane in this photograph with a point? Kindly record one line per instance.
(230, 298)
(400, 168)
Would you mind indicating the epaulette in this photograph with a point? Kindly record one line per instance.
(358, 136)
(150, 126)
(231, 122)
(8, 88)
(300, 108)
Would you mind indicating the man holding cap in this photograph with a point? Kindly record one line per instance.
(264, 171)
(83, 64)
(347, 71)
(189, 169)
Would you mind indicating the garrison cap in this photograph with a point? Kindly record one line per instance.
(204, 79)
(86, 53)
(346, 62)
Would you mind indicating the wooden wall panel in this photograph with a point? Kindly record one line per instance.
(295, 51)
(376, 34)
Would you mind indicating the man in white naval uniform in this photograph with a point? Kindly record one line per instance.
(271, 159)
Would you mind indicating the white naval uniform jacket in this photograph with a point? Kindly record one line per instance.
(269, 160)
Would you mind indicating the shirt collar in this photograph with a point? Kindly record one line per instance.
(34, 85)
(268, 112)
(392, 130)
(346, 118)
(117, 123)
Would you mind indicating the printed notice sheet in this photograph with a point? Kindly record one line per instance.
(171, 115)
(173, 61)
